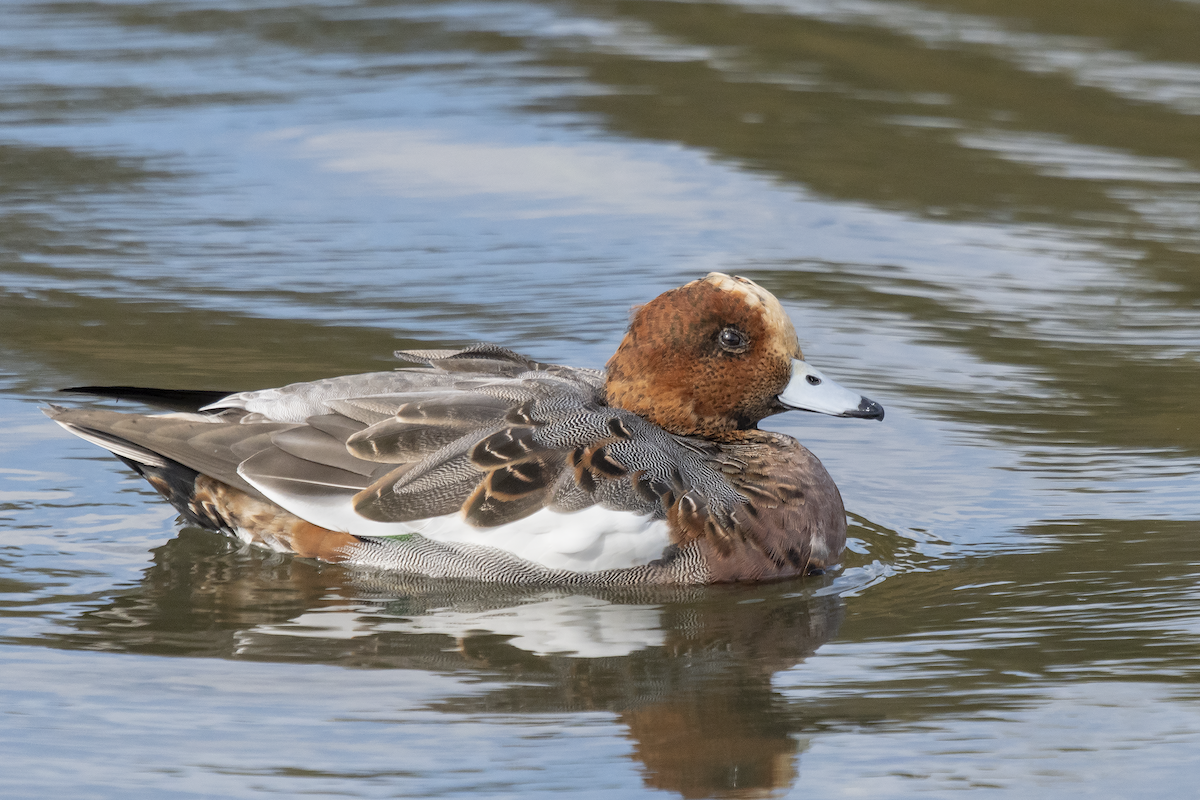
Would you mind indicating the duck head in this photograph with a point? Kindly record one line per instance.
(714, 357)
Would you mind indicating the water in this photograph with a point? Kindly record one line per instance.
(984, 215)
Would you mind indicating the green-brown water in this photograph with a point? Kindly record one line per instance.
(983, 214)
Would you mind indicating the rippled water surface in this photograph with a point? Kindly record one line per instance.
(983, 214)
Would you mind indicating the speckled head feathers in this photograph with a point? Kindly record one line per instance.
(706, 359)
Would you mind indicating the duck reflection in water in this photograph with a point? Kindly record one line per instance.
(686, 669)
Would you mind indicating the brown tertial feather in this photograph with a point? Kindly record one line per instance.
(513, 491)
(505, 447)
(395, 441)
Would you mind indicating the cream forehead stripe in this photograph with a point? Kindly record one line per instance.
(757, 297)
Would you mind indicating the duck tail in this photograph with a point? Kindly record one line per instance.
(170, 399)
(177, 485)
(205, 501)
(174, 481)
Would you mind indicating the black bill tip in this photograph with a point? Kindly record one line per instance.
(867, 409)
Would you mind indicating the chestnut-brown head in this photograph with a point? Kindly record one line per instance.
(707, 359)
(714, 357)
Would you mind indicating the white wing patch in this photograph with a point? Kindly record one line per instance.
(595, 538)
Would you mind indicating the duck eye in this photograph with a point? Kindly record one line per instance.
(732, 340)
(813, 379)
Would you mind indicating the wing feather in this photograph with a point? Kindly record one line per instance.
(209, 448)
(482, 431)
(312, 445)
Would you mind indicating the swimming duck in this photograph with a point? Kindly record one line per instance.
(483, 464)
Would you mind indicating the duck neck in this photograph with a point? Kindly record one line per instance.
(674, 406)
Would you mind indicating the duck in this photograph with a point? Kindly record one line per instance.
(481, 464)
